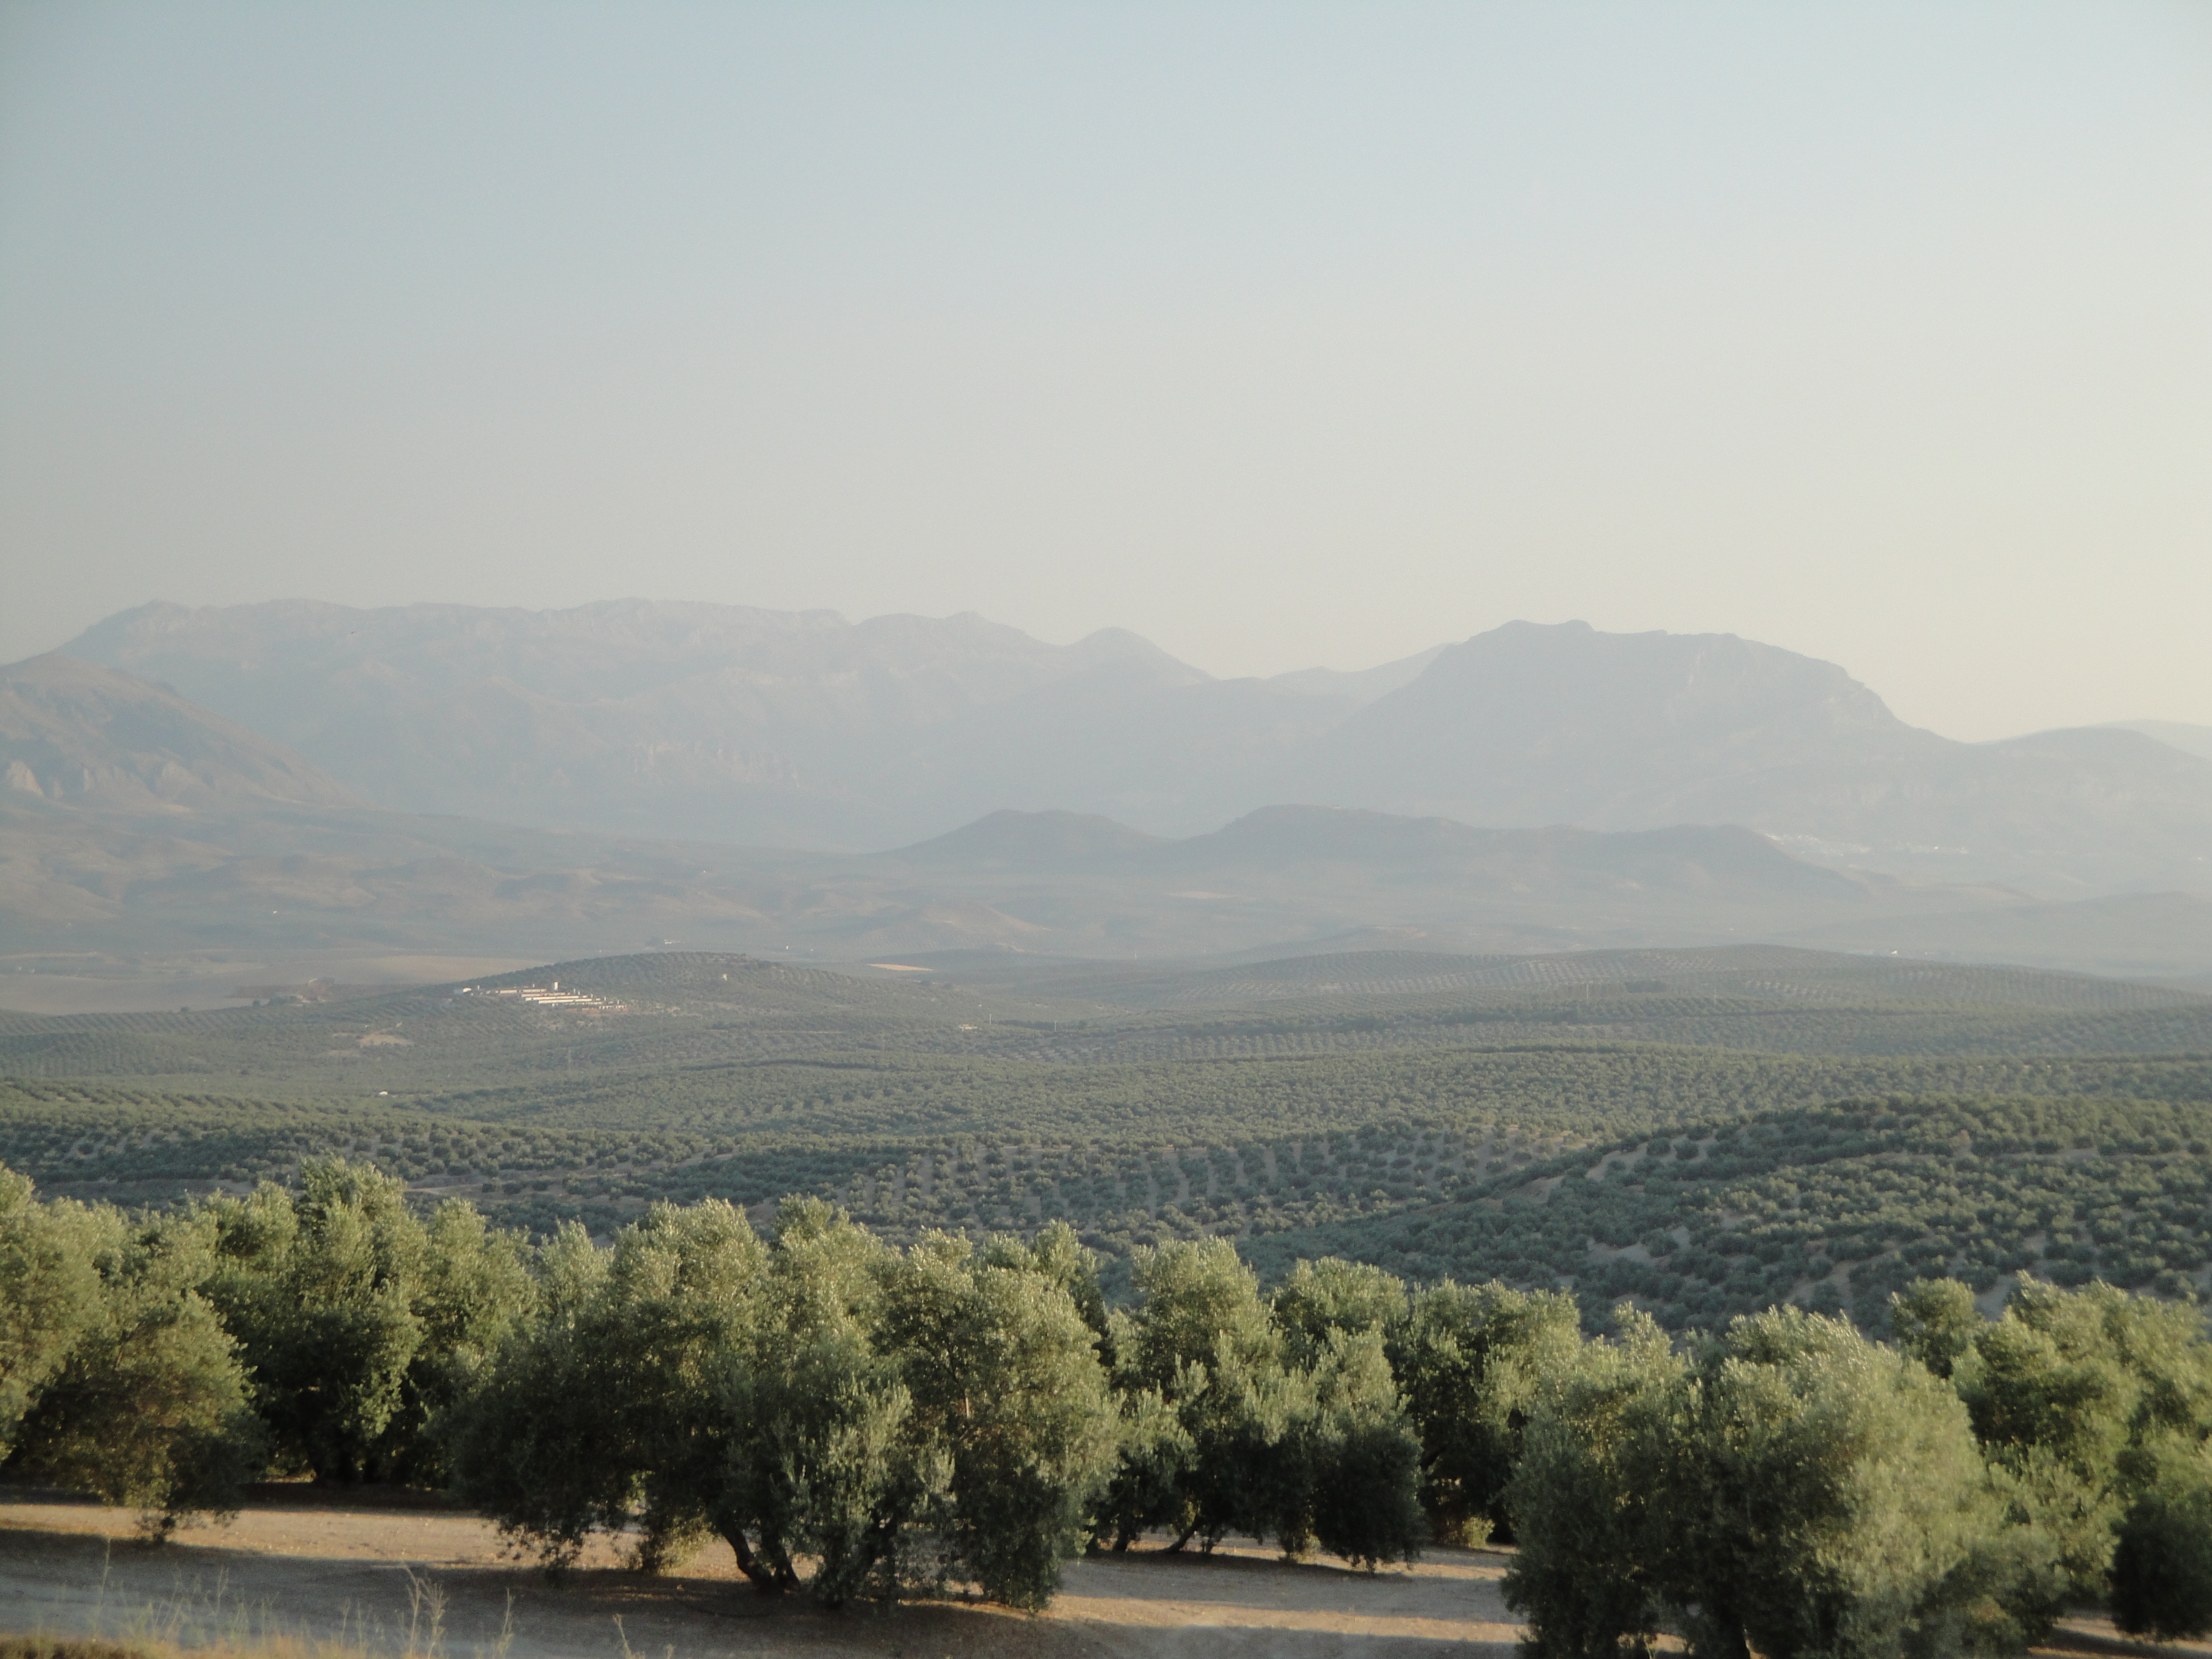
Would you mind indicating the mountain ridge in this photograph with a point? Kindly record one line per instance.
(803, 729)
(256, 850)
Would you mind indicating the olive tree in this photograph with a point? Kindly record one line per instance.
(1008, 1396)
(475, 1291)
(146, 1405)
(48, 1286)
(1472, 1359)
(1601, 1430)
(1202, 1339)
(1361, 1458)
(820, 1459)
(2095, 1407)
(1797, 1490)
(320, 1292)
(1935, 1320)
(1332, 1295)
(1267, 1418)
(605, 1409)
(531, 1442)
(1824, 1494)
(2161, 1573)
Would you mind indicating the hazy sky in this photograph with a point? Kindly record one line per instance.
(1281, 334)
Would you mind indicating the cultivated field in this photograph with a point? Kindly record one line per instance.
(1413, 1111)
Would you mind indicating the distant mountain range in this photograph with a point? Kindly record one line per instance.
(135, 825)
(132, 813)
(718, 723)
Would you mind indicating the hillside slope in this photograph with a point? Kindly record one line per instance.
(74, 733)
(2190, 739)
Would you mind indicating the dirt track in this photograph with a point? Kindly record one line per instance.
(311, 1573)
(328, 1573)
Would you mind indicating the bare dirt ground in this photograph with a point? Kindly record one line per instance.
(381, 1583)
(372, 1579)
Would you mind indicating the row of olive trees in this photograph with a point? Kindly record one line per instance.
(885, 1417)
(163, 1359)
(858, 1420)
(116, 1374)
(892, 1418)
(1797, 1489)
(899, 1418)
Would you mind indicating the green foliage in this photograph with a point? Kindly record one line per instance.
(1935, 1320)
(829, 1465)
(2161, 1580)
(1201, 1341)
(134, 1392)
(48, 1290)
(1798, 1490)
(2083, 1399)
(1003, 1373)
(896, 1418)
(680, 1291)
(475, 1291)
(1825, 1491)
(531, 1444)
(1361, 1458)
(610, 1402)
(358, 1321)
(1322, 1297)
(1472, 1358)
(1056, 1252)
(320, 1295)
(1283, 1421)
(1584, 1497)
(1838, 1206)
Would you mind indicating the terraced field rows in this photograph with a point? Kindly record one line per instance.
(1775, 971)
(1455, 1128)
(1836, 1205)
(673, 1011)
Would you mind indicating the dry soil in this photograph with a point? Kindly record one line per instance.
(374, 1578)
(378, 1582)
